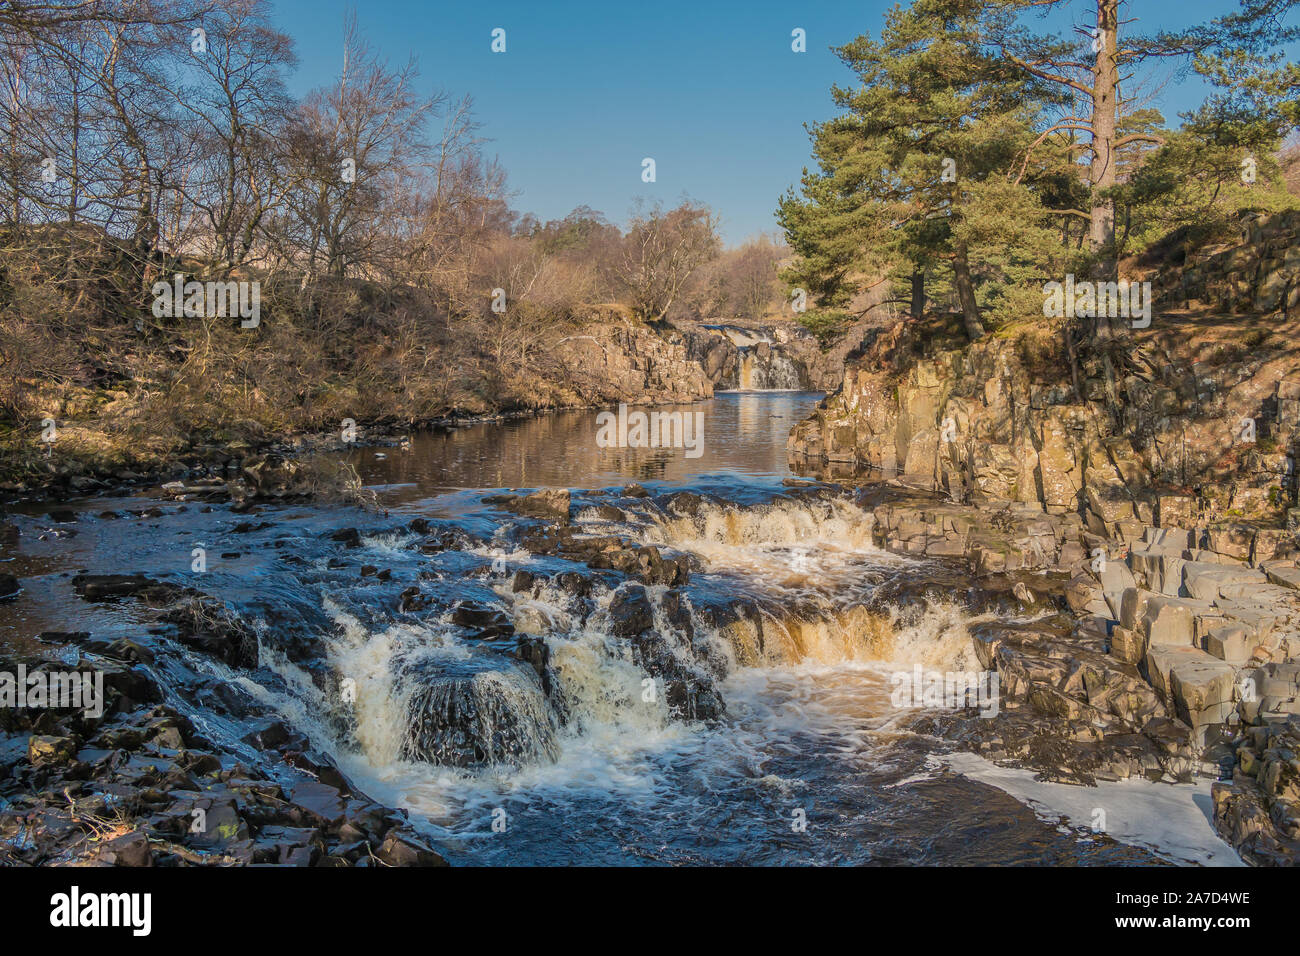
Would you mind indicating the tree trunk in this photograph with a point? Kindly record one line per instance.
(918, 294)
(970, 311)
(1105, 111)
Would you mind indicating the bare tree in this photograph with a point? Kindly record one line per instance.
(661, 252)
(355, 144)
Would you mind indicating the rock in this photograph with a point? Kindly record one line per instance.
(1168, 620)
(404, 850)
(1209, 582)
(45, 750)
(217, 824)
(130, 849)
(1231, 643)
(8, 586)
(348, 537)
(100, 587)
(1128, 645)
(1287, 576)
(1133, 607)
(551, 503)
(412, 600)
(1161, 567)
(1233, 540)
(488, 622)
(630, 612)
(1202, 690)
(322, 802)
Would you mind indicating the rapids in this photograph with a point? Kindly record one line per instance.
(527, 706)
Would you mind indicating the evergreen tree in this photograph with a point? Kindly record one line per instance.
(929, 163)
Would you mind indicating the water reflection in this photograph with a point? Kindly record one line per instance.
(744, 434)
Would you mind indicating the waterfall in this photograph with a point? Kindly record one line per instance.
(789, 582)
(761, 362)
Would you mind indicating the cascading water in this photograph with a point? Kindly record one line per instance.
(761, 363)
(665, 678)
(784, 584)
(772, 372)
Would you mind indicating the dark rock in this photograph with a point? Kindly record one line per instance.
(99, 587)
(413, 600)
(630, 612)
(404, 850)
(130, 849)
(348, 537)
(488, 621)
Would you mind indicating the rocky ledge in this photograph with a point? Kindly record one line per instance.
(1180, 657)
(140, 786)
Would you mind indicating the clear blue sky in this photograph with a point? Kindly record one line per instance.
(709, 88)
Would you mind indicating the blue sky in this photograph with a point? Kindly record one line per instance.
(710, 89)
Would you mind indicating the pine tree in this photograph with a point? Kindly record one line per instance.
(928, 164)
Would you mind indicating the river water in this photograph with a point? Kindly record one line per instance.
(805, 762)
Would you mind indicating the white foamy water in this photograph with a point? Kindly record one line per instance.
(808, 728)
(1174, 821)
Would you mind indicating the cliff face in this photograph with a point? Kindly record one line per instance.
(617, 360)
(1201, 430)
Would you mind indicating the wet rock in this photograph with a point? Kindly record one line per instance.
(490, 717)
(8, 586)
(348, 537)
(535, 652)
(270, 734)
(630, 612)
(412, 600)
(100, 587)
(320, 802)
(205, 625)
(488, 622)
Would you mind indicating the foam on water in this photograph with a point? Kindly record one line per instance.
(1171, 820)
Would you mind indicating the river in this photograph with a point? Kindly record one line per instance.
(753, 725)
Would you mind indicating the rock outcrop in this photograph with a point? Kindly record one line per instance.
(615, 359)
(1259, 274)
(1159, 479)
